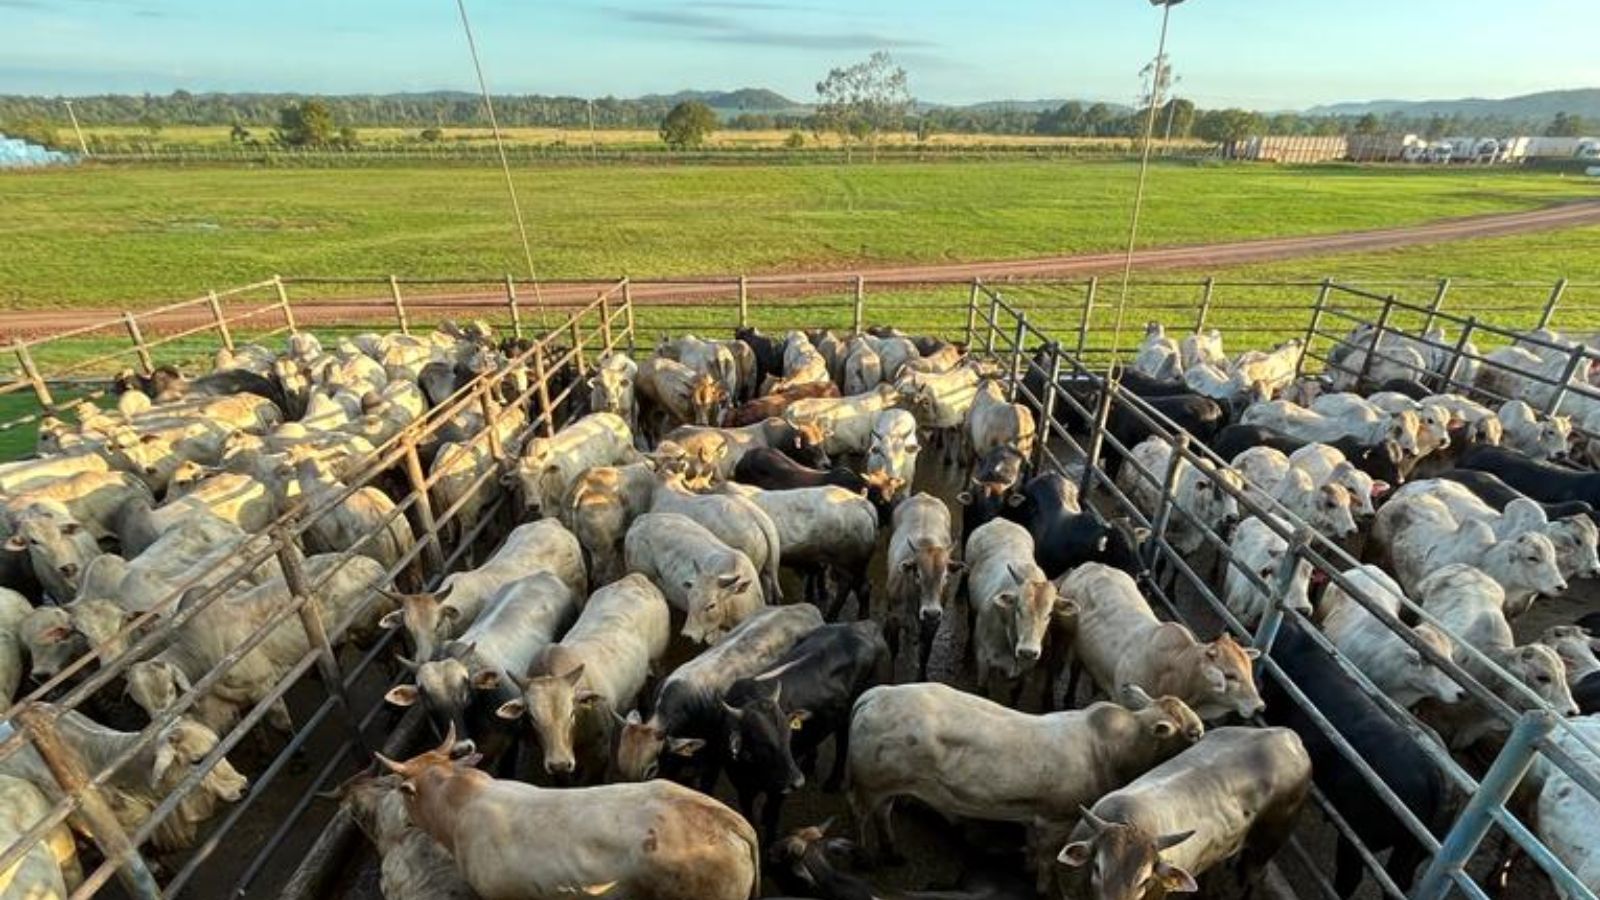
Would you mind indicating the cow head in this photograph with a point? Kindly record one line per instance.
(1225, 682)
(1575, 647)
(443, 687)
(181, 747)
(930, 568)
(1403, 428)
(1540, 668)
(155, 684)
(1417, 678)
(708, 400)
(640, 745)
(882, 486)
(1574, 538)
(758, 733)
(555, 704)
(427, 618)
(713, 598)
(59, 548)
(1127, 860)
(1554, 438)
(611, 386)
(1334, 512)
(807, 441)
(52, 641)
(1528, 562)
(1030, 606)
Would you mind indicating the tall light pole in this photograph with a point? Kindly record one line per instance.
(83, 146)
(1138, 193)
(594, 144)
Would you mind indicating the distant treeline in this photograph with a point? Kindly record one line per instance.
(1177, 118)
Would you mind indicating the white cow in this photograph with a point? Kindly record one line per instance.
(1395, 667)
(1199, 490)
(1257, 548)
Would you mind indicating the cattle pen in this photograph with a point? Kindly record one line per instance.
(1047, 336)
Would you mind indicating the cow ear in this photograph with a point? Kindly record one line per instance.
(955, 566)
(403, 695)
(487, 680)
(588, 700)
(1014, 500)
(684, 746)
(70, 528)
(1075, 854)
(1005, 600)
(1163, 729)
(16, 543)
(797, 719)
(964, 498)
(574, 676)
(166, 756)
(1251, 653)
(1101, 544)
(449, 612)
(1175, 879)
(511, 709)
(633, 718)
(908, 565)
(392, 619)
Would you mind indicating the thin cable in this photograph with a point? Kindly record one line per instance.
(1138, 194)
(505, 166)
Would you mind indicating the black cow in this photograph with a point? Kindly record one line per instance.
(775, 718)
(166, 383)
(1540, 480)
(768, 352)
(774, 470)
(995, 480)
(1389, 749)
(1200, 416)
(1416, 390)
(1384, 461)
(1491, 490)
(1062, 538)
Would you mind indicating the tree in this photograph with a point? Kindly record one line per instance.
(1368, 124)
(150, 124)
(860, 101)
(1224, 126)
(1097, 120)
(795, 140)
(1438, 126)
(239, 134)
(688, 125)
(308, 123)
(1176, 119)
(1564, 125)
(431, 135)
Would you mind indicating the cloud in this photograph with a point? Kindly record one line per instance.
(722, 28)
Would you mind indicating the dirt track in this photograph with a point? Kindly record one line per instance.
(27, 323)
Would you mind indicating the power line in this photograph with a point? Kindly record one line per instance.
(505, 166)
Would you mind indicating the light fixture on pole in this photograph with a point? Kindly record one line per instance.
(1138, 194)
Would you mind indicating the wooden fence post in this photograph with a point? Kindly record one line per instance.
(577, 348)
(744, 302)
(1088, 309)
(861, 303)
(299, 585)
(131, 322)
(605, 322)
(1461, 347)
(516, 311)
(283, 304)
(68, 770)
(1578, 357)
(1436, 305)
(399, 305)
(1550, 304)
(1377, 338)
(221, 320)
(972, 311)
(31, 372)
(627, 303)
(541, 374)
(432, 550)
(1205, 303)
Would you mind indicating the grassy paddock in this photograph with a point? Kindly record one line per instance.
(100, 236)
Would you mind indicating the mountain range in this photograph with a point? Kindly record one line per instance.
(1584, 102)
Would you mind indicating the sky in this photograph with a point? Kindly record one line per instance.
(1263, 54)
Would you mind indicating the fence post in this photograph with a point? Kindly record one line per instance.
(993, 324)
(1205, 303)
(577, 348)
(1455, 356)
(1316, 323)
(1550, 304)
(972, 311)
(1282, 579)
(1473, 824)
(1436, 305)
(605, 322)
(399, 305)
(294, 577)
(67, 769)
(31, 372)
(627, 302)
(432, 551)
(131, 322)
(542, 375)
(861, 303)
(1017, 337)
(221, 320)
(491, 412)
(1574, 360)
(744, 302)
(283, 303)
(1377, 337)
(1088, 308)
(1158, 525)
(1097, 435)
(1045, 428)
(511, 301)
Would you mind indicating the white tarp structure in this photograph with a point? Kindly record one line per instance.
(16, 153)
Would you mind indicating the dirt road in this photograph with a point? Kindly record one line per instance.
(681, 290)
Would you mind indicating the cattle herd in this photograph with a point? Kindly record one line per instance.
(721, 566)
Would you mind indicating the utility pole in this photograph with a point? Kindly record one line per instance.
(83, 145)
(594, 144)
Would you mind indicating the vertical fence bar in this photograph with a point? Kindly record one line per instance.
(993, 324)
(972, 311)
(31, 372)
(220, 319)
(577, 348)
(860, 304)
(399, 305)
(1550, 304)
(1097, 436)
(627, 302)
(1472, 825)
(1088, 309)
(1205, 303)
(283, 304)
(1018, 335)
(491, 415)
(1316, 323)
(1158, 525)
(432, 551)
(1047, 403)
(1267, 632)
(131, 322)
(1575, 359)
(744, 301)
(101, 822)
(1455, 355)
(541, 375)
(511, 302)
(605, 322)
(294, 577)
(1436, 305)
(1377, 338)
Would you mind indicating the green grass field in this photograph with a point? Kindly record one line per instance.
(133, 235)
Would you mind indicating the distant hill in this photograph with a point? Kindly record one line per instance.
(1584, 102)
(741, 100)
